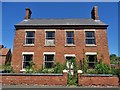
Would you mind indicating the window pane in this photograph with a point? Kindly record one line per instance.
(92, 59)
(50, 34)
(90, 41)
(89, 33)
(49, 57)
(49, 61)
(70, 37)
(26, 60)
(29, 40)
(70, 34)
(30, 34)
(28, 57)
(70, 41)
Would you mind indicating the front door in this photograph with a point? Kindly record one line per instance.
(69, 64)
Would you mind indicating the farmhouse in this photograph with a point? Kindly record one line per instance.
(48, 41)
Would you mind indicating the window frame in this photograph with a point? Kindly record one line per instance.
(26, 53)
(32, 44)
(89, 30)
(90, 38)
(92, 54)
(53, 38)
(72, 44)
(48, 53)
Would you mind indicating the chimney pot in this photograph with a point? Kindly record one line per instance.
(94, 13)
(28, 13)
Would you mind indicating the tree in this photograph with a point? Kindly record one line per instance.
(114, 59)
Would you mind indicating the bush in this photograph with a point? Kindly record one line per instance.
(31, 68)
(58, 68)
(116, 72)
(72, 79)
(46, 70)
(85, 64)
(102, 68)
(91, 71)
(7, 68)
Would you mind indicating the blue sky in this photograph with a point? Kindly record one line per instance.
(13, 13)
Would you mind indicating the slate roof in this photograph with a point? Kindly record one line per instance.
(79, 21)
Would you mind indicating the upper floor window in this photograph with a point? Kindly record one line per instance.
(50, 38)
(90, 37)
(69, 37)
(30, 36)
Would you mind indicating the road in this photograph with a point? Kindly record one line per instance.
(35, 87)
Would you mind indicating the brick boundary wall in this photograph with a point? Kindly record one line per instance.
(34, 79)
(97, 80)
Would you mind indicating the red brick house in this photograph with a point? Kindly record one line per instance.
(47, 41)
(5, 55)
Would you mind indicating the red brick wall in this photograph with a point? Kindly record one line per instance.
(98, 80)
(34, 79)
(59, 48)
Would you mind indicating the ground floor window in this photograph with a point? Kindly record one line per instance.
(49, 60)
(27, 59)
(92, 59)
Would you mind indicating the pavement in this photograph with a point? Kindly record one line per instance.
(38, 87)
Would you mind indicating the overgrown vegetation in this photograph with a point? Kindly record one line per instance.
(73, 79)
(7, 68)
(31, 68)
(85, 64)
(57, 68)
(102, 68)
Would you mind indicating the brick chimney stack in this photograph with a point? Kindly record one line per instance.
(94, 13)
(28, 13)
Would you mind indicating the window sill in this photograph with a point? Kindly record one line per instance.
(30, 45)
(49, 45)
(70, 45)
(90, 45)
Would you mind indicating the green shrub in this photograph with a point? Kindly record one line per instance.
(8, 68)
(46, 70)
(102, 68)
(72, 79)
(85, 64)
(31, 68)
(116, 72)
(58, 68)
(91, 71)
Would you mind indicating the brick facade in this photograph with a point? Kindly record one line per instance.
(98, 80)
(60, 26)
(60, 48)
(24, 79)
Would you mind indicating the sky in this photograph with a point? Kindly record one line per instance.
(14, 12)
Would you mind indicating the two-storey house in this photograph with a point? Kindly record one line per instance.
(47, 41)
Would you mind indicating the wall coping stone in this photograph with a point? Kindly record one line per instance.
(99, 75)
(31, 74)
